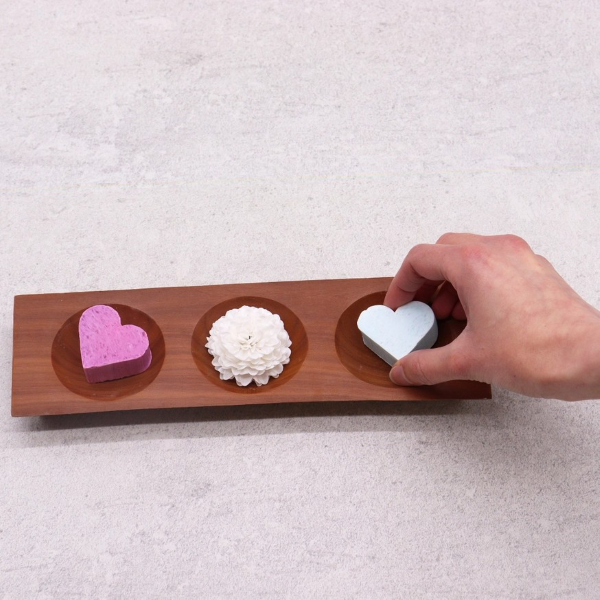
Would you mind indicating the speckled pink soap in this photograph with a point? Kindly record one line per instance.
(110, 350)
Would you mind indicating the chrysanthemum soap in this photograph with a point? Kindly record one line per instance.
(394, 334)
(110, 350)
(249, 344)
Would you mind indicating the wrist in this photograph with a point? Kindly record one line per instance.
(584, 382)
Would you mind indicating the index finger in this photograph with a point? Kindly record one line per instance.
(425, 263)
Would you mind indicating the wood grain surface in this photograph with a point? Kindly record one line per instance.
(329, 362)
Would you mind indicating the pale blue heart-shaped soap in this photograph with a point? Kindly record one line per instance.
(394, 334)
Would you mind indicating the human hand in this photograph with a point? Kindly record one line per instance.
(527, 330)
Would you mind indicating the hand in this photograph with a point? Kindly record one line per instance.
(527, 330)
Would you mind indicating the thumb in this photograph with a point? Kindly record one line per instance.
(428, 367)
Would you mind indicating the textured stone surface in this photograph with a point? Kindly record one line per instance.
(165, 143)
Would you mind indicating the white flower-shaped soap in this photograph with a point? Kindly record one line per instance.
(249, 344)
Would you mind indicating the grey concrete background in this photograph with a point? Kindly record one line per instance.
(155, 143)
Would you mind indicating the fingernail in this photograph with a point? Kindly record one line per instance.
(397, 376)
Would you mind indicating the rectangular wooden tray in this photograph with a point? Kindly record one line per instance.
(329, 361)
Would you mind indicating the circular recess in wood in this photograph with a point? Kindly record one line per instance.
(66, 357)
(351, 350)
(364, 363)
(292, 324)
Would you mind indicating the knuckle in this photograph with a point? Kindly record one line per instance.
(416, 250)
(515, 242)
(446, 238)
(543, 260)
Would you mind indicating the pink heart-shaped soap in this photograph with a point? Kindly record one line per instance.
(110, 350)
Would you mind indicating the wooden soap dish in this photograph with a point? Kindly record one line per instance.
(329, 361)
